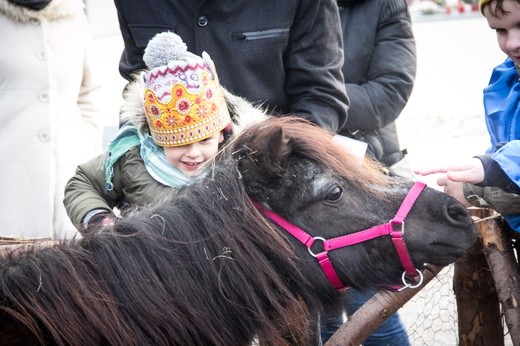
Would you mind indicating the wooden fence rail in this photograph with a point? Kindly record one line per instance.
(374, 312)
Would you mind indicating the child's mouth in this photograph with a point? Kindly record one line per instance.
(192, 166)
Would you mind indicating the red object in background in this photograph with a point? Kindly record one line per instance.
(460, 7)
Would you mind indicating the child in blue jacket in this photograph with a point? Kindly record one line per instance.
(493, 180)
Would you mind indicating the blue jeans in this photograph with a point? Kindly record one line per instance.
(391, 332)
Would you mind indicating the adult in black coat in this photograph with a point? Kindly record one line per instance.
(286, 55)
(380, 67)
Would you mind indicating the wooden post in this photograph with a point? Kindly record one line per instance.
(374, 312)
(477, 301)
(498, 250)
(485, 280)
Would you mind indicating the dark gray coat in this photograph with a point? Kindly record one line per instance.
(379, 70)
(286, 54)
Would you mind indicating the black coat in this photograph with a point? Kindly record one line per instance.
(380, 66)
(286, 54)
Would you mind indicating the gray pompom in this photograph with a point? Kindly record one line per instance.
(163, 48)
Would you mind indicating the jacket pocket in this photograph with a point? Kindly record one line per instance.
(261, 34)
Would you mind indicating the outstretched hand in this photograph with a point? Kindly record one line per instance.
(471, 171)
(453, 188)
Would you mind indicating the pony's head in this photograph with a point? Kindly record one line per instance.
(296, 170)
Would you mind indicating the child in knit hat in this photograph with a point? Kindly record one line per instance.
(175, 117)
(493, 180)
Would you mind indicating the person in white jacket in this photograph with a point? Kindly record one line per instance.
(48, 115)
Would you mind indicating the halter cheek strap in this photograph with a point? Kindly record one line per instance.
(394, 228)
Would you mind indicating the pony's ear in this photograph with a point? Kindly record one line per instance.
(277, 151)
(271, 153)
(264, 160)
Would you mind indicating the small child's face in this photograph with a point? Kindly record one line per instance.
(507, 27)
(190, 158)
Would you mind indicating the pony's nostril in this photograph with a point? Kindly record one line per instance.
(457, 212)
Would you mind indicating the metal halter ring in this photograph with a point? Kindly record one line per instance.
(410, 285)
(309, 248)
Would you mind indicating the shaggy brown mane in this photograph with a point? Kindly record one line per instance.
(317, 144)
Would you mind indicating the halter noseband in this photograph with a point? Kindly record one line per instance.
(394, 228)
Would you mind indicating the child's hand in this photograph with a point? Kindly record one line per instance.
(470, 171)
(99, 221)
(453, 188)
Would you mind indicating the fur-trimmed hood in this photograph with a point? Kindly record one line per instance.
(243, 113)
(57, 9)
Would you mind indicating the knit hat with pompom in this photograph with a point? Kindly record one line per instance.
(183, 99)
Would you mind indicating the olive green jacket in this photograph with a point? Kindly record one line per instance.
(133, 185)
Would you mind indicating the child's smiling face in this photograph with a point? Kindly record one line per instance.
(190, 158)
(507, 26)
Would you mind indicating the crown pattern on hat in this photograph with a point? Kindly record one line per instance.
(189, 116)
(183, 100)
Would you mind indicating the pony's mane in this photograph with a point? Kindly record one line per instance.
(307, 140)
(208, 234)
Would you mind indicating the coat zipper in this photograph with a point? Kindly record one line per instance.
(258, 35)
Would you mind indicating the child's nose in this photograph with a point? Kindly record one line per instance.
(513, 42)
(193, 150)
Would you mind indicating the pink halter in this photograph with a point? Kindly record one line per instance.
(394, 228)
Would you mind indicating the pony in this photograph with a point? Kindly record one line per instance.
(212, 264)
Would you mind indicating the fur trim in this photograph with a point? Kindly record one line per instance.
(57, 9)
(243, 113)
(132, 108)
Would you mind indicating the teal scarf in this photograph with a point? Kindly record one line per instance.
(153, 156)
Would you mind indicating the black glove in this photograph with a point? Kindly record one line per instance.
(503, 202)
(98, 221)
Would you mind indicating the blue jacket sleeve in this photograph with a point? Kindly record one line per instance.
(508, 157)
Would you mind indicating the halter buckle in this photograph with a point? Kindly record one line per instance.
(397, 224)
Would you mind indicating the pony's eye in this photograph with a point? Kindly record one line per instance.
(335, 193)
